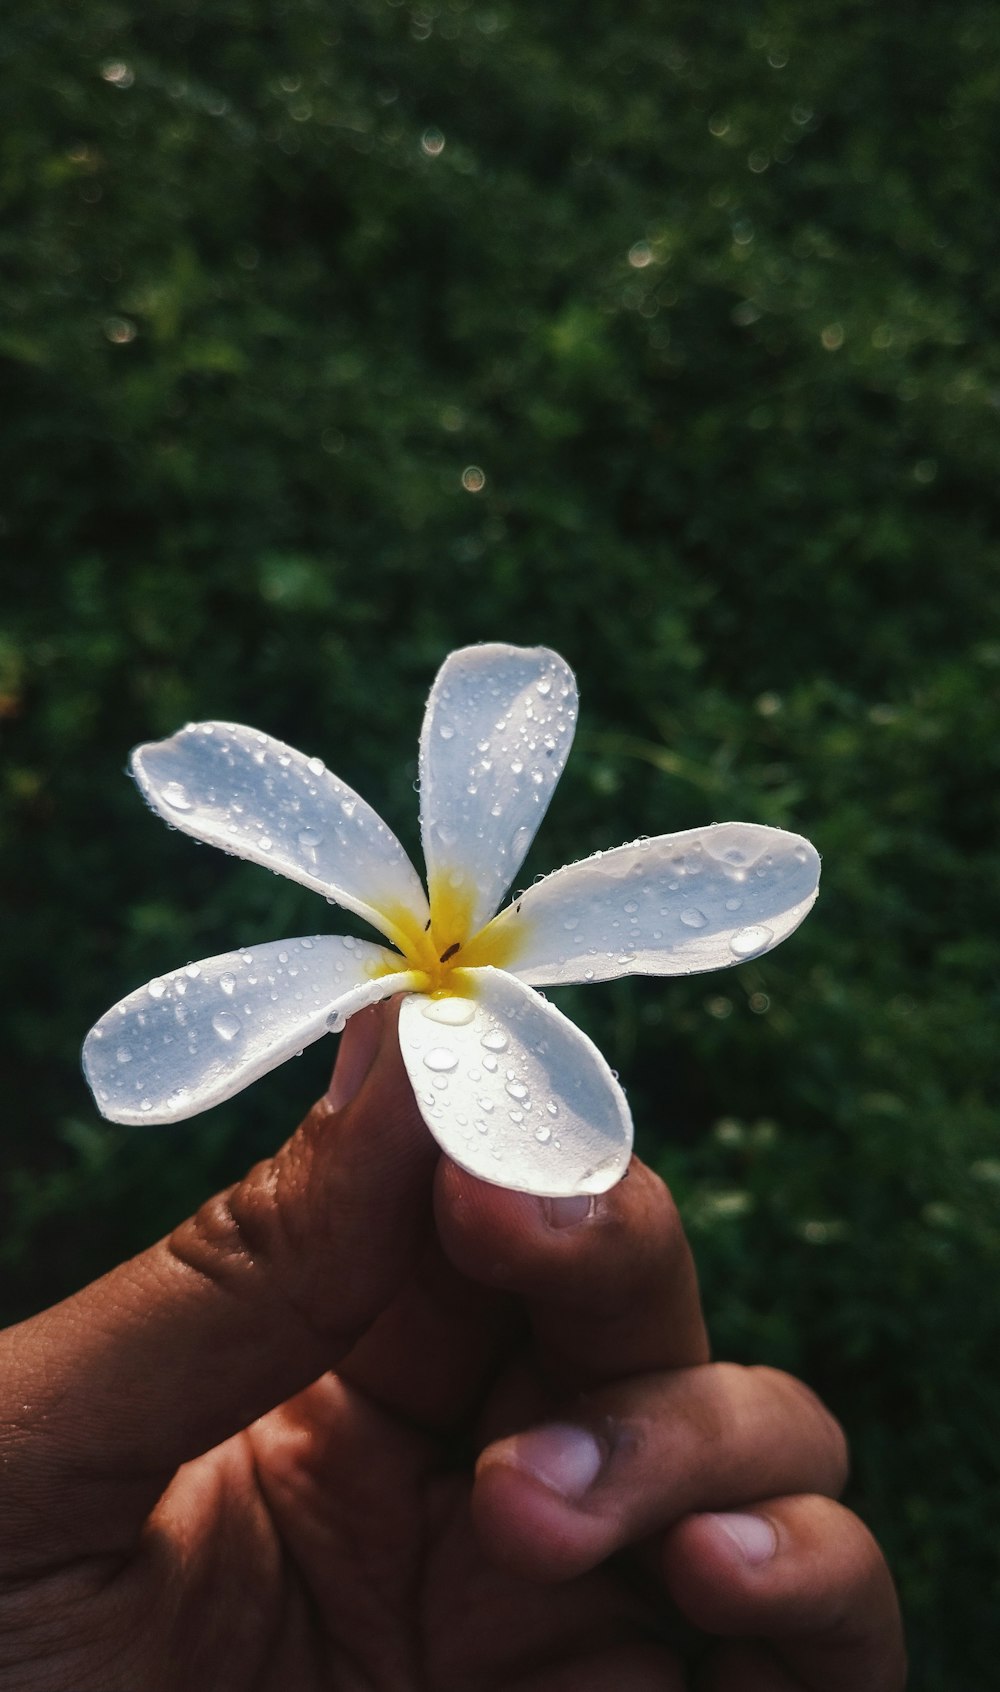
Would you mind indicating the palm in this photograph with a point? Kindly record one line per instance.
(374, 1574)
(330, 1547)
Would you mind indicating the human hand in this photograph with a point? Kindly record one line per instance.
(192, 1499)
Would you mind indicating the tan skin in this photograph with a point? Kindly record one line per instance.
(192, 1500)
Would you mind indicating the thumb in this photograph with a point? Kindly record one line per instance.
(265, 1288)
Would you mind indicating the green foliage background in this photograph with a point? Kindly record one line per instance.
(710, 294)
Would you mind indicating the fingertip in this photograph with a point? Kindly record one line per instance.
(802, 1573)
(526, 1519)
(496, 1235)
(356, 1053)
(715, 1564)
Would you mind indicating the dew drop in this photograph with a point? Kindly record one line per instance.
(315, 766)
(494, 1041)
(544, 686)
(630, 907)
(490, 1063)
(348, 806)
(177, 796)
(733, 904)
(446, 731)
(309, 839)
(747, 942)
(485, 1104)
(516, 1089)
(543, 1133)
(445, 833)
(692, 918)
(265, 843)
(452, 1011)
(123, 1055)
(226, 1025)
(156, 988)
(440, 1059)
(552, 1107)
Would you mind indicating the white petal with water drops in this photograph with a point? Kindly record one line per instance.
(497, 730)
(515, 1092)
(260, 799)
(202, 1033)
(673, 905)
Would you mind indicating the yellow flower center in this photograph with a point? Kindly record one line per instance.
(444, 950)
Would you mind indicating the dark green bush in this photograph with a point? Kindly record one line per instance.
(710, 294)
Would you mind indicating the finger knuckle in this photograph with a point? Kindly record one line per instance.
(825, 1432)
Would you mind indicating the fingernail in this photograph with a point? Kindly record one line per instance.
(358, 1047)
(566, 1459)
(753, 1535)
(569, 1212)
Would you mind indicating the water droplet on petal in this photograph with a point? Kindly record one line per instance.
(516, 1089)
(747, 942)
(176, 795)
(440, 1059)
(494, 1041)
(452, 1011)
(733, 904)
(156, 988)
(315, 766)
(123, 1055)
(543, 1133)
(544, 686)
(692, 918)
(446, 731)
(226, 1025)
(309, 839)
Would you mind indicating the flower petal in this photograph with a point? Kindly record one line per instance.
(497, 730)
(259, 799)
(198, 1035)
(512, 1090)
(673, 905)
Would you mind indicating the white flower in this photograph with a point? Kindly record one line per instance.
(510, 1089)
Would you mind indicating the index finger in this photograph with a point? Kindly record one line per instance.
(608, 1280)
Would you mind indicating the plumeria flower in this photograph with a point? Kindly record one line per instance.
(509, 1087)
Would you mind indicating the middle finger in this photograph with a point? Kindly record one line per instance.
(636, 1457)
